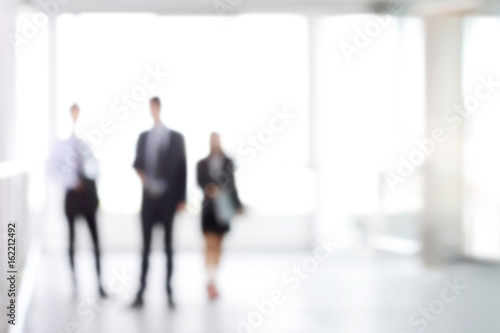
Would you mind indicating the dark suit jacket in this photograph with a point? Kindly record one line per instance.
(171, 165)
(225, 180)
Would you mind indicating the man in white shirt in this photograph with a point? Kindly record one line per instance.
(70, 162)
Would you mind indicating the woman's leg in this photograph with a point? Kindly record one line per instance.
(210, 257)
(211, 262)
(213, 251)
(218, 248)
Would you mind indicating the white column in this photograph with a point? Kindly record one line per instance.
(52, 78)
(313, 134)
(7, 80)
(442, 217)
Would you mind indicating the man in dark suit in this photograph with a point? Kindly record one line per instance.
(161, 165)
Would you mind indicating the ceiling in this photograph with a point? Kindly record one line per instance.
(311, 7)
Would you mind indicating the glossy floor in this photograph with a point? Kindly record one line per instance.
(345, 293)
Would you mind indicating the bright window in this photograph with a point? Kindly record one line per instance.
(229, 76)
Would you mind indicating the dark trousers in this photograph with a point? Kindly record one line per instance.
(160, 210)
(77, 204)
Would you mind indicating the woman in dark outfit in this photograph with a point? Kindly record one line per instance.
(215, 175)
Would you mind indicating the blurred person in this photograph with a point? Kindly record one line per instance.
(160, 163)
(75, 167)
(215, 175)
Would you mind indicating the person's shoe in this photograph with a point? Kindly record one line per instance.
(102, 293)
(138, 303)
(212, 292)
(75, 287)
(171, 303)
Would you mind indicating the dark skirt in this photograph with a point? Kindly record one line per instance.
(209, 222)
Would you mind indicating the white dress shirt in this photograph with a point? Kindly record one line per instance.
(215, 164)
(157, 140)
(70, 159)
